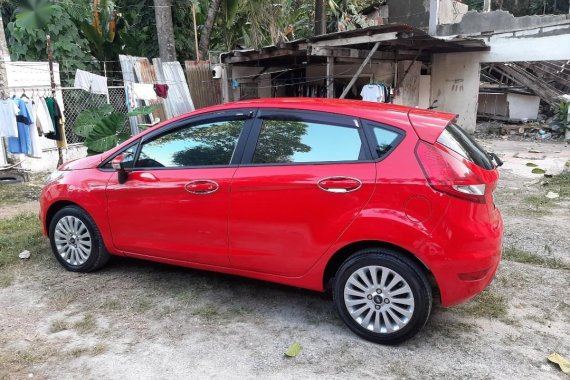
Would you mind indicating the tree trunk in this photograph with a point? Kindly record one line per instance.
(165, 30)
(4, 57)
(204, 44)
(320, 18)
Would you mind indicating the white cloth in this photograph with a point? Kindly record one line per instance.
(95, 84)
(34, 136)
(144, 91)
(8, 124)
(43, 117)
(372, 93)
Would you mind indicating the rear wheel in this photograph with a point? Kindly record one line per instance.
(76, 241)
(382, 296)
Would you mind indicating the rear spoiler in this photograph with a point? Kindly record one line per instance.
(429, 124)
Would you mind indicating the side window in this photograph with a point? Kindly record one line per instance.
(196, 145)
(292, 141)
(129, 159)
(386, 140)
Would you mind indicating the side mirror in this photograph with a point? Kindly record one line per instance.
(117, 164)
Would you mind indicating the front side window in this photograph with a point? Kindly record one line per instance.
(293, 141)
(197, 145)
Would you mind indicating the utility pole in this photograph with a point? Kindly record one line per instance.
(165, 30)
(53, 91)
(320, 18)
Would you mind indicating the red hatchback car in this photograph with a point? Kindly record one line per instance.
(381, 204)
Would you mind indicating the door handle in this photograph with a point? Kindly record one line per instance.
(339, 184)
(201, 186)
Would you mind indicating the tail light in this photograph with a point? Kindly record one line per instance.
(448, 174)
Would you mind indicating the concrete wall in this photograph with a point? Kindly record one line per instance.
(451, 70)
(451, 11)
(48, 161)
(424, 91)
(409, 86)
(474, 22)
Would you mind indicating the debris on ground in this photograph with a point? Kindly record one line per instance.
(293, 350)
(552, 195)
(562, 362)
(24, 255)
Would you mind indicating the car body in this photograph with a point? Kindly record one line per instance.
(289, 191)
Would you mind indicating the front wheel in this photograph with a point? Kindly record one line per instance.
(76, 241)
(382, 296)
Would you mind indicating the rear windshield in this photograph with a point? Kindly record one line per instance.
(455, 138)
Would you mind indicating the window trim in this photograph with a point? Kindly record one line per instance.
(246, 114)
(340, 120)
(369, 126)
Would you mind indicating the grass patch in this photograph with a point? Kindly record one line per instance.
(208, 311)
(57, 326)
(87, 324)
(14, 361)
(19, 193)
(19, 233)
(486, 304)
(560, 184)
(97, 349)
(521, 256)
(537, 204)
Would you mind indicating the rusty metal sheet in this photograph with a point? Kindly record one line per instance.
(205, 90)
(145, 74)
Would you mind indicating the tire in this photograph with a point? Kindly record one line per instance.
(76, 241)
(370, 311)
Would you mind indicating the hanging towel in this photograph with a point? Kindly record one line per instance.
(55, 116)
(93, 83)
(372, 93)
(8, 124)
(144, 91)
(161, 90)
(21, 144)
(62, 142)
(130, 96)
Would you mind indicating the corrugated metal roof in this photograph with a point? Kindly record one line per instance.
(178, 101)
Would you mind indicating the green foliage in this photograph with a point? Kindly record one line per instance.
(32, 21)
(103, 128)
(562, 113)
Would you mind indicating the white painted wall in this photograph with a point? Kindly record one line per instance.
(49, 159)
(425, 89)
(523, 106)
(540, 44)
(409, 87)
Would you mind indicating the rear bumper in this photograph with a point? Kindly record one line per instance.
(471, 264)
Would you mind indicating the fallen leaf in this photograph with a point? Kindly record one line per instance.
(562, 362)
(538, 171)
(293, 350)
(530, 164)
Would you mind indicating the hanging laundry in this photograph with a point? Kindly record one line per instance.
(8, 124)
(21, 144)
(55, 116)
(93, 83)
(130, 96)
(36, 150)
(43, 118)
(372, 93)
(62, 142)
(161, 90)
(144, 91)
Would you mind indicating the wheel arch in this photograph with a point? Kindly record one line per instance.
(341, 255)
(55, 207)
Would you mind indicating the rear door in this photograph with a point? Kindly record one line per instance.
(304, 178)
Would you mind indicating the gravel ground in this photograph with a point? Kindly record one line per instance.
(142, 320)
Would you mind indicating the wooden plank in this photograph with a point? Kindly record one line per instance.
(330, 77)
(359, 71)
(357, 40)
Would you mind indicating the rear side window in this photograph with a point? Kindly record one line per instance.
(386, 140)
(455, 138)
(293, 141)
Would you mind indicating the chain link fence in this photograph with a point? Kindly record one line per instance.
(76, 100)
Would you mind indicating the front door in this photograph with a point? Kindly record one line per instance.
(304, 178)
(174, 204)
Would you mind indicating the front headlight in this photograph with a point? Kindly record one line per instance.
(54, 176)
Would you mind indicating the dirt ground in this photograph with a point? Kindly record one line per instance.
(142, 320)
